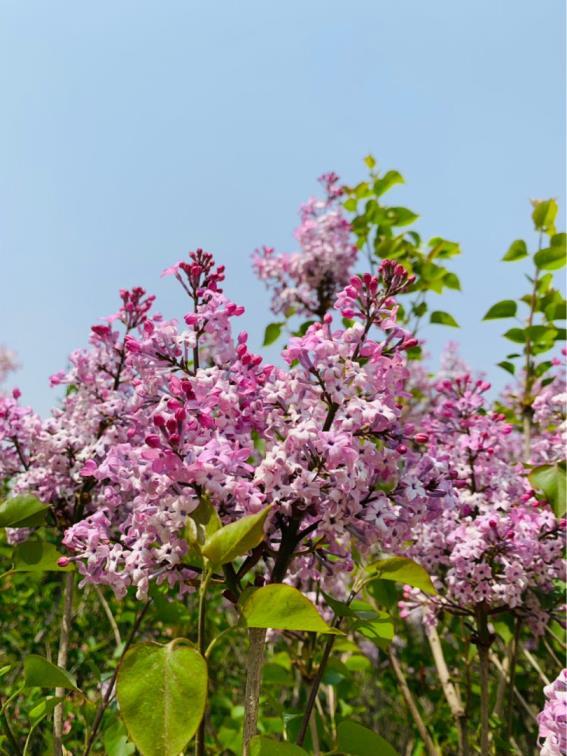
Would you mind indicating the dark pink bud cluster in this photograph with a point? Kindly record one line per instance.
(330, 181)
(135, 306)
(201, 272)
(394, 277)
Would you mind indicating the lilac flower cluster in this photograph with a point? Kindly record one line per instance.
(499, 547)
(306, 282)
(553, 719)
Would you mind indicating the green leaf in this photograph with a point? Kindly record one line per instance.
(236, 539)
(517, 335)
(350, 205)
(507, 308)
(370, 161)
(542, 368)
(162, 692)
(116, 741)
(356, 740)
(37, 715)
(339, 607)
(45, 706)
(400, 216)
(37, 556)
(401, 570)
(22, 512)
(40, 673)
(263, 746)
(272, 333)
(544, 214)
(201, 524)
(556, 311)
(384, 593)
(282, 607)
(380, 629)
(516, 251)
(551, 258)
(443, 318)
(508, 366)
(420, 309)
(551, 480)
(541, 334)
(443, 248)
(384, 184)
(451, 281)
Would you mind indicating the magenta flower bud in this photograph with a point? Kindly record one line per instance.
(187, 389)
(421, 438)
(356, 283)
(16, 393)
(410, 343)
(171, 425)
(159, 421)
(153, 441)
(101, 331)
(63, 561)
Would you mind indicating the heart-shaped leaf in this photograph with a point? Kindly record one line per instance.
(162, 691)
(282, 607)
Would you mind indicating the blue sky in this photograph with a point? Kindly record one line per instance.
(134, 131)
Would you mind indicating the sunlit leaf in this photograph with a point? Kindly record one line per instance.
(272, 333)
(443, 318)
(507, 308)
(162, 691)
(282, 607)
(236, 539)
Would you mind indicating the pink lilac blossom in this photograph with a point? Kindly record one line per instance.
(498, 546)
(336, 464)
(550, 421)
(45, 458)
(553, 719)
(306, 282)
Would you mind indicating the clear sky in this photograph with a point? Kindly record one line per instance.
(133, 131)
